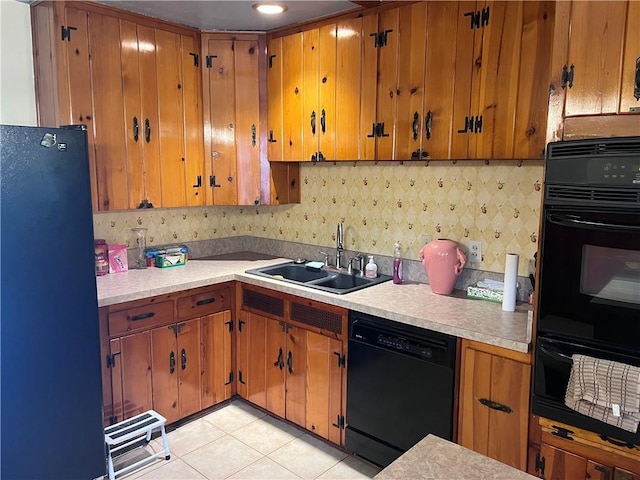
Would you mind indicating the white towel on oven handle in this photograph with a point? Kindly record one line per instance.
(606, 390)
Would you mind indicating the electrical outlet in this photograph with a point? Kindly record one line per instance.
(475, 251)
(424, 239)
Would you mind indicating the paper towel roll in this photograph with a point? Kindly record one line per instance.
(510, 283)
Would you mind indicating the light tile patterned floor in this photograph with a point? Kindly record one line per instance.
(239, 441)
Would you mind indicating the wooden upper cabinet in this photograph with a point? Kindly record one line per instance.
(410, 121)
(379, 85)
(347, 88)
(293, 117)
(232, 110)
(595, 70)
(509, 79)
(133, 82)
(139, 72)
(274, 97)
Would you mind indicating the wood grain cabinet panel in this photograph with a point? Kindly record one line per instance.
(594, 65)
(133, 82)
(494, 403)
(217, 369)
(251, 360)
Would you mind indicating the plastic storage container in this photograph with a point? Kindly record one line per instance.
(101, 257)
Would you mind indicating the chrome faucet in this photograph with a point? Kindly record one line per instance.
(339, 246)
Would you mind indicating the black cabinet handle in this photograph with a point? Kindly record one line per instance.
(323, 121)
(271, 139)
(143, 316)
(183, 359)
(636, 83)
(254, 135)
(373, 131)
(313, 122)
(290, 362)
(570, 76)
(428, 122)
(136, 129)
(279, 363)
(230, 379)
(172, 363)
(604, 471)
(240, 378)
(414, 125)
(495, 405)
(206, 301)
(147, 130)
(619, 443)
(198, 182)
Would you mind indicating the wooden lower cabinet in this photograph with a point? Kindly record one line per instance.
(294, 371)
(493, 411)
(581, 456)
(171, 353)
(175, 369)
(131, 375)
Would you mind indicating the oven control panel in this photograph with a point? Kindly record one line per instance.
(614, 171)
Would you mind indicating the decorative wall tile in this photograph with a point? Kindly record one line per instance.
(379, 203)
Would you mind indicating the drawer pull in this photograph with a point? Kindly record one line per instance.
(206, 301)
(143, 316)
(495, 405)
(172, 363)
(183, 359)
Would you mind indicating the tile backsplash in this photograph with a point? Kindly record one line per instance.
(496, 203)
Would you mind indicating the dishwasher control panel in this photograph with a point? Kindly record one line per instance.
(432, 346)
(404, 345)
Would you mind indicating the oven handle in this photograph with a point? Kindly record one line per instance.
(578, 222)
(555, 353)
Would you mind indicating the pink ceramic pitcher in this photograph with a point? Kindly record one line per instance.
(443, 260)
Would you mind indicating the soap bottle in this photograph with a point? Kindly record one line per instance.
(397, 264)
(371, 270)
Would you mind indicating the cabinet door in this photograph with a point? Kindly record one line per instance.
(598, 471)
(170, 118)
(217, 378)
(446, 60)
(165, 363)
(347, 88)
(292, 106)
(379, 82)
(620, 474)
(561, 465)
(494, 406)
(251, 358)
(276, 363)
(247, 121)
(412, 35)
(498, 49)
(108, 113)
(131, 377)
(190, 370)
(274, 95)
(63, 74)
(193, 123)
(137, 50)
(324, 386)
(595, 51)
(296, 375)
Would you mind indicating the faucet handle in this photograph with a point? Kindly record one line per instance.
(326, 258)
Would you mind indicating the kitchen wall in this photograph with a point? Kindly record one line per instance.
(379, 203)
(17, 97)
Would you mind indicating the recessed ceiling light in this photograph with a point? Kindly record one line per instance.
(270, 7)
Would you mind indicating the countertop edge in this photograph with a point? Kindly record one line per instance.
(362, 302)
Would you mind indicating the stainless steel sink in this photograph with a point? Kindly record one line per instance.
(321, 279)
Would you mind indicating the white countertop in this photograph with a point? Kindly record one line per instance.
(409, 303)
(436, 459)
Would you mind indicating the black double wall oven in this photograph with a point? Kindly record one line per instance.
(589, 279)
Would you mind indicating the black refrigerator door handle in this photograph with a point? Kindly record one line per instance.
(577, 222)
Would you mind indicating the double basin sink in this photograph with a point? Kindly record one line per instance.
(325, 279)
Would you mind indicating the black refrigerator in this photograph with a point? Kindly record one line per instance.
(50, 377)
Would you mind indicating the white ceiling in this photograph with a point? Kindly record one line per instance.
(231, 15)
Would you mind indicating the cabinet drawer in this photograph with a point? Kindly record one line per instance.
(204, 302)
(140, 317)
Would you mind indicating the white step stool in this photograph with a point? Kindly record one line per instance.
(130, 431)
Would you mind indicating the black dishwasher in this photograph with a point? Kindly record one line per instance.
(400, 384)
